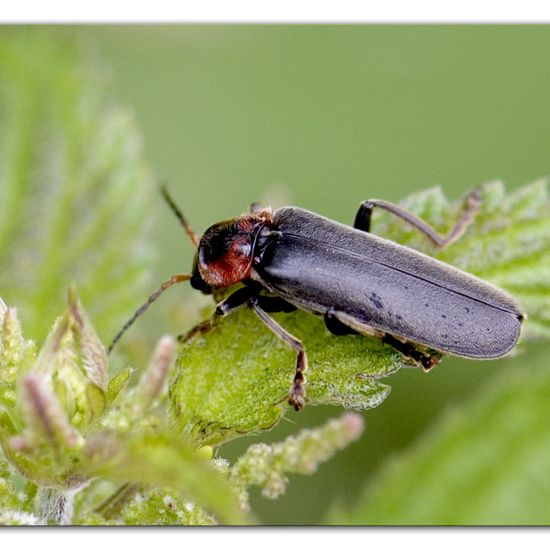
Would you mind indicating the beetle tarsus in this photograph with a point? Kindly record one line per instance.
(297, 394)
(429, 362)
(198, 330)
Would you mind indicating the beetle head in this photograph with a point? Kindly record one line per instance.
(225, 252)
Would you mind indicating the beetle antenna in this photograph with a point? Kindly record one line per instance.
(195, 239)
(175, 279)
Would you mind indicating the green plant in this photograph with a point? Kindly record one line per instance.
(65, 425)
(90, 441)
(78, 445)
(75, 189)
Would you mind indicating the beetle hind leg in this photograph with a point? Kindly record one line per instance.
(341, 323)
(472, 204)
(425, 360)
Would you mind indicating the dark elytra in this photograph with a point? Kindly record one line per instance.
(318, 264)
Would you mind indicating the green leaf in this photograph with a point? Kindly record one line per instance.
(117, 383)
(485, 463)
(16, 355)
(161, 460)
(8, 492)
(74, 187)
(235, 379)
(73, 359)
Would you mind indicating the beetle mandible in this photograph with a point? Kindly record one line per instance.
(291, 258)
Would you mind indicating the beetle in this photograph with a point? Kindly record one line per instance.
(291, 258)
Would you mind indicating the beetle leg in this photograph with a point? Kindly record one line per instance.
(343, 321)
(297, 393)
(236, 300)
(233, 302)
(471, 208)
(198, 330)
(255, 207)
(335, 326)
(409, 350)
(275, 304)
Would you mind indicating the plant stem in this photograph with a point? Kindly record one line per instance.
(55, 506)
(112, 507)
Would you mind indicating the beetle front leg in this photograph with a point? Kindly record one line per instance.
(198, 330)
(233, 302)
(297, 393)
(275, 304)
(471, 208)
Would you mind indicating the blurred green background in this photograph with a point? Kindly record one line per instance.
(324, 117)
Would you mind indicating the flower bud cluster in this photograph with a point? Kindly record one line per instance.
(267, 465)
